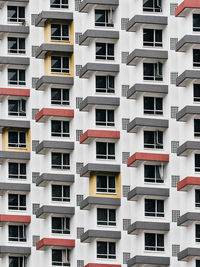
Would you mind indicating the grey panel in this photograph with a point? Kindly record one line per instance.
(174, 146)
(14, 124)
(137, 20)
(160, 261)
(175, 250)
(55, 145)
(147, 191)
(187, 76)
(188, 253)
(52, 15)
(79, 199)
(85, 4)
(92, 234)
(137, 123)
(188, 217)
(146, 88)
(187, 147)
(102, 201)
(185, 113)
(54, 81)
(144, 53)
(173, 42)
(174, 180)
(14, 29)
(102, 101)
(14, 155)
(17, 250)
(84, 39)
(174, 111)
(134, 228)
(95, 168)
(175, 215)
(124, 22)
(188, 40)
(14, 187)
(58, 210)
(44, 178)
(44, 49)
(98, 67)
(21, 61)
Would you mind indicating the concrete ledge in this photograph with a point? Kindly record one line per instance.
(46, 49)
(90, 168)
(90, 235)
(46, 81)
(186, 148)
(88, 35)
(91, 101)
(187, 113)
(187, 77)
(15, 61)
(44, 16)
(136, 227)
(135, 125)
(138, 192)
(188, 218)
(14, 187)
(149, 261)
(14, 124)
(186, 42)
(138, 89)
(45, 146)
(103, 68)
(45, 178)
(88, 202)
(45, 210)
(4, 155)
(188, 253)
(86, 5)
(16, 250)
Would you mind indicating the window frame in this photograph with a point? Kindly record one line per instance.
(61, 133)
(107, 189)
(18, 19)
(156, 137)
(18, 50)
(62, 197)
(18, 207)
(19, 103)
(60, 5)
(196, 98)
(197, 203)
(108, 89)
(197, 168)
(61, 37)
(61, 166)
(106, 56)
(65, 257)
(155, 111)
(157, 69)
(22, 260)
(18, 175)
(195, 28)
(61, 101)
(196, 63)
(106, 255)
(108, 221)
(18, 144)
(18, 81)
(20, 229)
(155, 180)
(154, 8)
(156, 213)
(64, 229)
(152, 43)
(106, 156)
(62, 69)
(155, 247)
(106, 122)
(107, 13)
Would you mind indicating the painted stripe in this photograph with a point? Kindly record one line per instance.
(186, 4)
(54, 112)
(147, 157)
(55, 242)
(15, 218)
(99, 134)
(188, 181)
(15, 92)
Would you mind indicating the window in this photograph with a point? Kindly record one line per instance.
(59, 32)
(59, 96)
(197, 231)
(153, 71)
(106, 217)
(16, 202)
(60, 128)
(105, 150)
(105, 117)
(17, 107)
(16, 13)
(104, 18)
(153, 105)
(197, 162)
(197, 198)
(60, 225)
(17, 139)
(105, 51)
(197, 127)
(17, 261)
(152, 5)
(17, 233)
(154, 242)
(60, 161)
(16, 45)
(196, 58)
(153, 139)
(196, 91)
(105, 84)
(61, 257)
(16, 77)
(154, 208)
(59, 64)
(106, 184)
(196, 22)
(60, 193)
(106, 250)
(152, 37)
(16, 170)
(59, 3)
(153, 173)
(197, 263)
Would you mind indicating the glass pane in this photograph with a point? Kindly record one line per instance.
(13, 168)
(150, 241)
(55, 94)
(13, 261)
(197, 196)
(22, 12)
(66, 159)
(22, 76)
(159, 104)
(111, 83)
(101, 247)
(112, 215)
(55, 63)
(196, 22)
(56, 159)
(12, 13)
(100, 116)
(55, 127)
(100, 18)
(100, 50)
(102, 216)
(196, 57)
(12, 76)
(110, 49)
(111, 182)
(22, 199)
(160, 205)
(56, 224)
(101, 148)
(148, 37)
(13, 106)
(149, 171)
(197, 161)
(102, 183)
(56, 191)
(12, 200)
(149, 105)
(100, 81)
(13, 137)
(65, 94)
(111, 149)
(66, 191)
(110, 115)
(21, 44)
(160, 240)
(148, 70)
(12, 45)
(55, 31)
(158, 36)
(56, 255)
(149, 138)
(150, 207)
(65, 127)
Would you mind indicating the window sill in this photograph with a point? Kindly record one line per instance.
(105, 193)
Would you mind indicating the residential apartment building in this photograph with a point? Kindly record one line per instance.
(100, 128)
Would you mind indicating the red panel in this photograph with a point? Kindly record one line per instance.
(147, 157)
(15, 92)
(15, 218)
(55, 242)
(102, 265)
(188, 181)
(54, 112)
(99, 134)
(186, 4)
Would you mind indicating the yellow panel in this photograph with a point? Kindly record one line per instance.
(92, 188)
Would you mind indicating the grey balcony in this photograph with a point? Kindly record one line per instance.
(14, 187)
(58, 146)
(188, 147)
(90, 35)
(9, 30)
(145, 123)
(46, 16)
(14, 155)
(100, 68)
(14, 61)
(188, 254)
(46, 211)
(86, 5)
(90, 235)
(149, 261)
(50, 81)
(94, 101)
(47, 49)
(187, 77)
(187, 113)
(142, 192)
(46, 178)
(14, 124)
(89, 202)
(137, 227)
(188, 218)
(187, 42)
(16, 250)
(156, 90)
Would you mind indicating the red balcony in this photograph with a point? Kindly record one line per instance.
(185, 6)
(136, 159)
(14, 218)
(13, 92)
(55, 243)
(102, 265)
(90, 135)
(46, 113)
(186, 183)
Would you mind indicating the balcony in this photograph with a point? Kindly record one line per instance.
(188, 254)
(142, 21)
(187, 113)
(145, 89)
(6, 92)
(47, 16)
(49, 113)
(90, 202)
(187, 77)
(188, 147)
(142, 192)
(99, 135)
(45, 146)
(188, 218)
(47, 49)
(4, 124)
(86, 5)
(138, 227)
(100, 68)
(54, 81)
(8, 30)
(187, 183)
(90, 35)
(145, 123)
(188, 41)
(16, 250)
(90, 235)
(96, 168)
(185, 7)
(5, 218)
(46, 178)
(13, 62)
(149, 260)
(95, 101)
(14, 187)
(55, 243)
(138, 158)
(13, 155)
(45, 211)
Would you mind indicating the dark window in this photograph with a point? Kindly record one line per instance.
(59, 3)
(196, 92)
(106, 184)
(197, 263)
(105, 150)
(153, 139)
(60, 161)
(106, 217)
(17, 233)
(105, 84)
(59, 32)
(16, 202)
(105, 51)
(17, 139)
(105, 117)
(104, 18)
(197, 232)
(60, 225)
(17, 261)
(16, 77)
(16, 13)
(154, 242)
(153, 105)
(16, 45)
(197, 198)
(59, 64)
(196, 58)
(59, 96)
(154, 208)
(196, 22)
(152, 37)
(60, 193)
(17, 107)
(152, 5)
(61, 257)
(153, 71)
(197, 127)
(60, 128)
(197, 162)
(16, 170)
(153, 173)
(106, 250)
